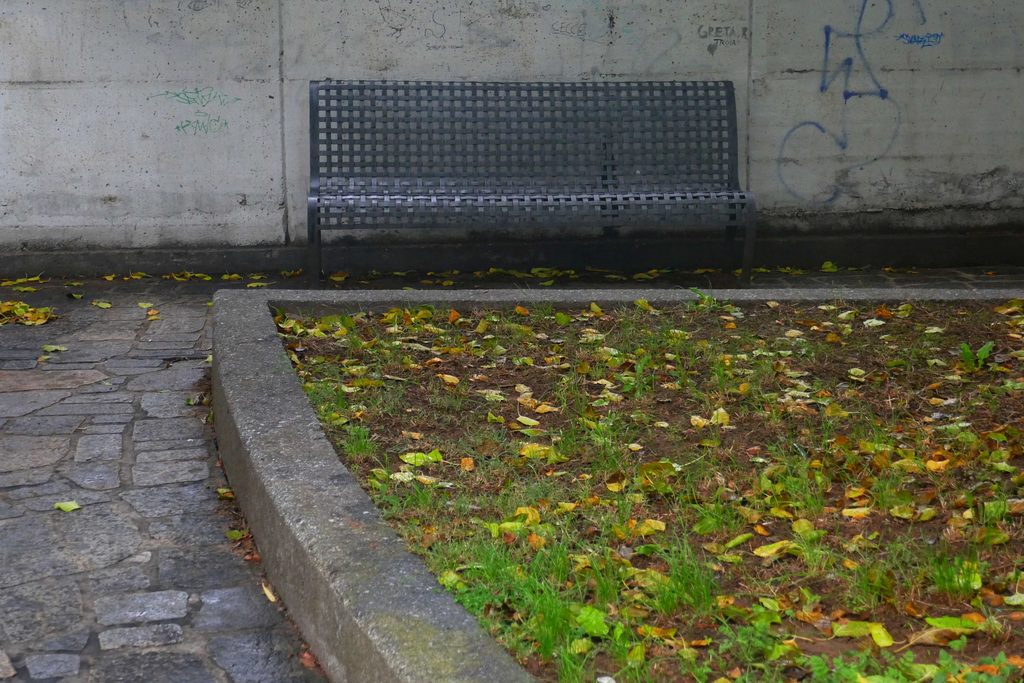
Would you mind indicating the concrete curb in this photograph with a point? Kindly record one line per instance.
(369, 609)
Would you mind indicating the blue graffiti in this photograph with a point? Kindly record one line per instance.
(846, 63)
(927, 40)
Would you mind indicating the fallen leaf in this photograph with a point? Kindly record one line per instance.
(268, 590)
(67, 506)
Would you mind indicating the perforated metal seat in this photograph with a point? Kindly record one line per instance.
(510, 155)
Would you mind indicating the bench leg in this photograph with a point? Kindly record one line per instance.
(315, 261)
(748, 254)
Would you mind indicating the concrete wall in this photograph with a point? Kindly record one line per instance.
(178, 123)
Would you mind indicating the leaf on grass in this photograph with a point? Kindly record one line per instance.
(67, 506)
(856, 513)
(496, 419)
(655, 632)
(833, 410)
(417, 459)
(860, 629)
(450, 380)
(648, 527)
(593, 621)
(739, 540)
(773, 549)
(528, 421)
(720, 417)
(903, 512)
(952, 622)
(522, 311)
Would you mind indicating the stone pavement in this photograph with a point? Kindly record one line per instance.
(140, 584)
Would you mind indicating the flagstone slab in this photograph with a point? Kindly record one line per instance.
(34, 611)
(61, 543)
(20, 403)
(36, 380)
(25, 452)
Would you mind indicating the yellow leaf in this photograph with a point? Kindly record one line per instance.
(528, 421)
(773, 549)
(145, 305)
(468, 465)
(532, 514)
(699, 422)
(720, 417)
(449, 379)
(594, 308)
(535, 450)
(268, 591)
(833, 338)
(109, 278)
(453, 316)
(655, 632)
(833, 410)
(545, 408)
(937, 465)
(856, 513)
(535, 541)
(253, 285)
(729, 326)
(522, 311)
(234, 276)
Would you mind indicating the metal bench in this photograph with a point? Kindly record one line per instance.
(484, 158)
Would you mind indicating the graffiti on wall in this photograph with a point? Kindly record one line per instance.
(207, 102)
(816, 158)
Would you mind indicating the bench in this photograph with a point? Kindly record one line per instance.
(487, 158)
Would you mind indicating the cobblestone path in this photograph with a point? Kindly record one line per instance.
(140, 584)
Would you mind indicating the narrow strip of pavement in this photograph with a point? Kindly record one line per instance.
(140, 582)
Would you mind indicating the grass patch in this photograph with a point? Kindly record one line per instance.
(769, 493)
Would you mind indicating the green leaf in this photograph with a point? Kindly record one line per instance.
(859, 629)
(497, 419)
(50, 348)
(418, 459)
(236, 534)
(739, 540)
(952, 622)
(593, 621)
(562, 319)
(903, 511)
(803, 527)
(67, 506)
(101, 304)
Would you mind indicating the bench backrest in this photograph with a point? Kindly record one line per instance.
(510, 138)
